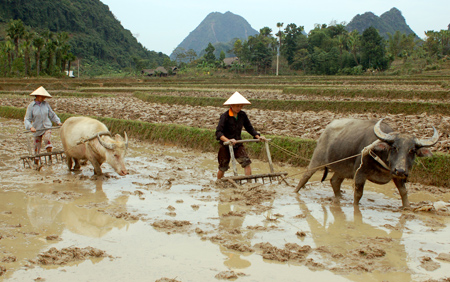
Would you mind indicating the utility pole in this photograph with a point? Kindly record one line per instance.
(279, 25)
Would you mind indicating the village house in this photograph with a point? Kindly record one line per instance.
(159, 71)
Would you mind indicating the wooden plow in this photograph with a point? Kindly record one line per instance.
(44, 158)
(254, 177)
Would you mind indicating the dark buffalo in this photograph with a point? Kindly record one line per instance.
(345, 138)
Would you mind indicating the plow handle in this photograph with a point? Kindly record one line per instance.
(245, 141)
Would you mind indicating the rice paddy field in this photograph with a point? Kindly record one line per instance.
(169, 220)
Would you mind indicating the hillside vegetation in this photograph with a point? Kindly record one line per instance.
(388, 23)
(94, 34)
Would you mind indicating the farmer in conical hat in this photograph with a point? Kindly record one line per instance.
(39, 116)
(229, 129)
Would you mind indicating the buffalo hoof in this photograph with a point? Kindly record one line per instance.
(336, 200)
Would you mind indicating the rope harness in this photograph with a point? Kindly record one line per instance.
(367, 150)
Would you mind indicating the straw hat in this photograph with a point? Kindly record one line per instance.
(236, 99)
(41, 92)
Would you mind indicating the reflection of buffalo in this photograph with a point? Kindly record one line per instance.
(345, 138)
(43, 213)
(349, 243)
(49, 214)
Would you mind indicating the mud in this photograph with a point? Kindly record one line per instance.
(168, 220)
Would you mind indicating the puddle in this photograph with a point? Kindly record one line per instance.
(169, 219)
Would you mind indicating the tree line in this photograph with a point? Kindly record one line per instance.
(29, 53)
(326, 50)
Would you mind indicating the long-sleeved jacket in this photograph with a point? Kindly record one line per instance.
(39, 116)
(231, 127)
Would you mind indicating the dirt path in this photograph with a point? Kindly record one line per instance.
(169, 221)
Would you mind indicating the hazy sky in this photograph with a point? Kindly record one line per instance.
(162, 25)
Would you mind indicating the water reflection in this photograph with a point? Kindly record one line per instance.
(350, 243)
(82, 215)
(46, 211)
(237, 206)
(232, 229)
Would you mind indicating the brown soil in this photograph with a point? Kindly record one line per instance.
(67, 255)
(296, 124)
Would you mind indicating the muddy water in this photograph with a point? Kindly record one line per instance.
(168, 218)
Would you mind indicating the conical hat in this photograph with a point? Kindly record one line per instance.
(41, 92)
(236, 99)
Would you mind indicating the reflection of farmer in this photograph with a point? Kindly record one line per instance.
(229, 129)
(39, 116)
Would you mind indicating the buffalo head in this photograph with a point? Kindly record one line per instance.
(401, 149)
(115, 152)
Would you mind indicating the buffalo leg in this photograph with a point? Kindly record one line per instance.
(77, 165)
(400, 183)
(336, 182)
(96, 164)
(69, 162)
(91, 157)
(306, 176)
(360, 180)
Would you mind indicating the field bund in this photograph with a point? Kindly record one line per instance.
(428, 171)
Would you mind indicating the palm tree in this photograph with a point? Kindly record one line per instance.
(354, 43)
(15, 31)
(38, 43)
(50, 48)
(27, 47)
(70, 58)
(279, 25)
(64, 53)
(61, 48)
(8, 49)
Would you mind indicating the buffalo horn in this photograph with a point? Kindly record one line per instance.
(386, 137)
(126, 140)
(428, 142)
(106, 145)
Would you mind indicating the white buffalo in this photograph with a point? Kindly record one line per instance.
(85, 138)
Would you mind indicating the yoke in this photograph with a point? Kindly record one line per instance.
(269, 176)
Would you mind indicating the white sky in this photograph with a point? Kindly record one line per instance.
(161, 25)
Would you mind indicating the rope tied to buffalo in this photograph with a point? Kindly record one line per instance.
(366, 150)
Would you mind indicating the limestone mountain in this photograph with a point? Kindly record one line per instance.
(218, 29)
(390, 21)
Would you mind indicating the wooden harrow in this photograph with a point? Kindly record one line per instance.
(254, 177)
(44, 158)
